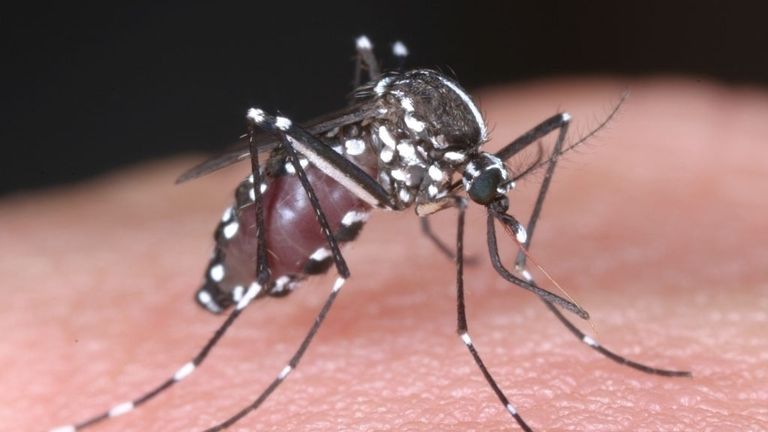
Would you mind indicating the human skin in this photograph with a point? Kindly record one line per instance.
(656, 227)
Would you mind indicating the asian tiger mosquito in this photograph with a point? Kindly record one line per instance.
(406, 139)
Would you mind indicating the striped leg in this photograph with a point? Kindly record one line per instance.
(282, 127)
(253, 291)
(292, 363)
(341, 169)
(561, 121)
(184, 371)
(493, 251)
(463, 327)
(557, 122)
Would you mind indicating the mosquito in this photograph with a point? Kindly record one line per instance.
(406, 139)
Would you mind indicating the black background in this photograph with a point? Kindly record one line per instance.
(88, 87)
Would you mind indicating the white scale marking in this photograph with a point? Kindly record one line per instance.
(227, 215)
(413, 124)
(320, 254)
(453, 156)
(252, 292)
(121, 409)
(589, 341)
(424, 154)
(67, 428)
(338, 284)
(281, 282)
(397, 174)
(526, 275)
(205, 298)
(231, 229)
(354, 147)
(386, 138)
(256, 115)
(399, 49)
(284, 373)
(290, 169)
(237, 293)
(521, 234)
(381, 87)
(472, 170)
(407, 104)
(363, 43)
(467, 340)
(386, 155)
(184, 371)
(406, 151)
(283, 123)
(217, 272)
(435, 173)
(496, 163)
(354, 216)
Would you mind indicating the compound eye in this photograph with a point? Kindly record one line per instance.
(484, 189)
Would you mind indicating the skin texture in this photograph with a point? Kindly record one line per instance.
(656, 227)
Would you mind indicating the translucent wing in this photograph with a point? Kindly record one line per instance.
(266, 142)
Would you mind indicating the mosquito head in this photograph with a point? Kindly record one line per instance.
(487, 182)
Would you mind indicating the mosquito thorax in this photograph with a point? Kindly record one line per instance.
(486, 179)
(425, 128)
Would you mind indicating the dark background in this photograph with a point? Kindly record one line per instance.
(86, 88)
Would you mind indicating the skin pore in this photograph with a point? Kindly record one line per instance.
(656, 227)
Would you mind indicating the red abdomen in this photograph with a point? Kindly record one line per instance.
(296, 247)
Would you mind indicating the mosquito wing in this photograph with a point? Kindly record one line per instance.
(265, 142)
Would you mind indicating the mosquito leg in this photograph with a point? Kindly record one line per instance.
(253, 291)
(184, 371)
(426, 229)
(493, 251)
(341, 265)
(281, 128)
(595, 345)
(324, 157)
(463, 328)
(365, 60)
(262, 264)
(294, 361)
(557, 121)
(561, 122)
